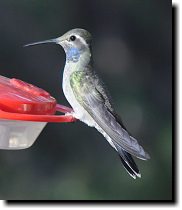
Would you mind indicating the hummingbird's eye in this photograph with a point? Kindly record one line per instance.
(72, 38)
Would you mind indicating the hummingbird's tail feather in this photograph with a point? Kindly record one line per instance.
(128, 169)
(128, 162)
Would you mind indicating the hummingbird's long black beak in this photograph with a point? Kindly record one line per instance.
(41, 42)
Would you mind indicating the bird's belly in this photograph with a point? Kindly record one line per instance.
(79, 112)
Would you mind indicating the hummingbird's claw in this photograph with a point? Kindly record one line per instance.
(71, 114)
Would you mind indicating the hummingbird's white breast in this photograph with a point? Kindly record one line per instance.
(79, 112)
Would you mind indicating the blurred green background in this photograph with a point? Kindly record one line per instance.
(132, 50)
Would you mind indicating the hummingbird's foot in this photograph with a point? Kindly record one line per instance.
(69, 113)
(72, 115)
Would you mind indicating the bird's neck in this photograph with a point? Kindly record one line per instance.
(77, 61)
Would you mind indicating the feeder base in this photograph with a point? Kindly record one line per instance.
(15, 135)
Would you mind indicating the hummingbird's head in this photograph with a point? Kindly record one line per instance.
(75, 38)
(74, 42)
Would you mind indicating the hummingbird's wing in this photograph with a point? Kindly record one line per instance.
(91, 96)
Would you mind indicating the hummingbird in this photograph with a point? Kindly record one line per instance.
(90, 100)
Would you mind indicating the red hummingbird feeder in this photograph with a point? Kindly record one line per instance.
(24, 111)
